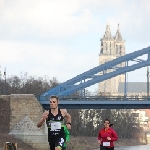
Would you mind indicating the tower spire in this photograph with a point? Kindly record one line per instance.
(107, 35)
(118, 36)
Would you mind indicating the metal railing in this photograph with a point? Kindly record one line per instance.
(107, 98)
(103, 98)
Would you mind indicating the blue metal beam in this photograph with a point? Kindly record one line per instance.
(77, 104)
(108, 65)
(120, 71)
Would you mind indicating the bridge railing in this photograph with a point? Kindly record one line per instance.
(107, 98)
(102, 98)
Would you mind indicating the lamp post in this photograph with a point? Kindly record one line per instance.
(5, 81)
(147, 82)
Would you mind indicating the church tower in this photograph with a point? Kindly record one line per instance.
(111, 48)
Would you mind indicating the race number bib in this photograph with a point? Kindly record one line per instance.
(106, 143)
(55, 126)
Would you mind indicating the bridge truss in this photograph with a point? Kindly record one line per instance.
(93, 76)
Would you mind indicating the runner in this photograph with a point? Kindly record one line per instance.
(107, 136)
(55, 123)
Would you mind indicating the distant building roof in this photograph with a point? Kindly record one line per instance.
(133, 87)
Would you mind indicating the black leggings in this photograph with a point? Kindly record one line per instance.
(106, 148)
(52, 146)
(57, 143)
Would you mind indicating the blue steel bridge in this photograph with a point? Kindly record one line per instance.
(65, 90)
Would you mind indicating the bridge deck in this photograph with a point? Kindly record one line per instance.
(95, 104)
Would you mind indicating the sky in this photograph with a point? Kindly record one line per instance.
(61, 38)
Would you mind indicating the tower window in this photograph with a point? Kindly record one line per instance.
(116, 49)
(107, 46)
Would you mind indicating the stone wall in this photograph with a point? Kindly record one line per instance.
(22, 105)
(23, 111)
(38, 142)
(27, 131)
(4, 114)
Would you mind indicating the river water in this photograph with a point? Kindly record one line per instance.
(139, 147)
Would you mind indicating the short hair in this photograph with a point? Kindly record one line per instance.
(111, 124)
(54, 96)
(107, 120)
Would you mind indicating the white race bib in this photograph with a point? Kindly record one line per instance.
(55, 126)
(106, 143)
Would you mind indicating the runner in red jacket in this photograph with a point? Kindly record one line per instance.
(107, 136)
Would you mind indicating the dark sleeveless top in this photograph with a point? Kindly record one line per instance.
(54, 135)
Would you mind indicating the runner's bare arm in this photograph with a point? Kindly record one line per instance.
(66, 115)
(42, 120)
(40, 123)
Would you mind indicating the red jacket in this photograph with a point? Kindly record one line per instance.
(102, 136)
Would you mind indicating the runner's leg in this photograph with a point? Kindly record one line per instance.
(102, 147)
(52, 146)
(59, 144)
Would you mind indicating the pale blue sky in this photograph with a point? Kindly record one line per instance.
(61, 38)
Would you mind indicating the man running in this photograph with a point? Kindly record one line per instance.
(54, 118)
